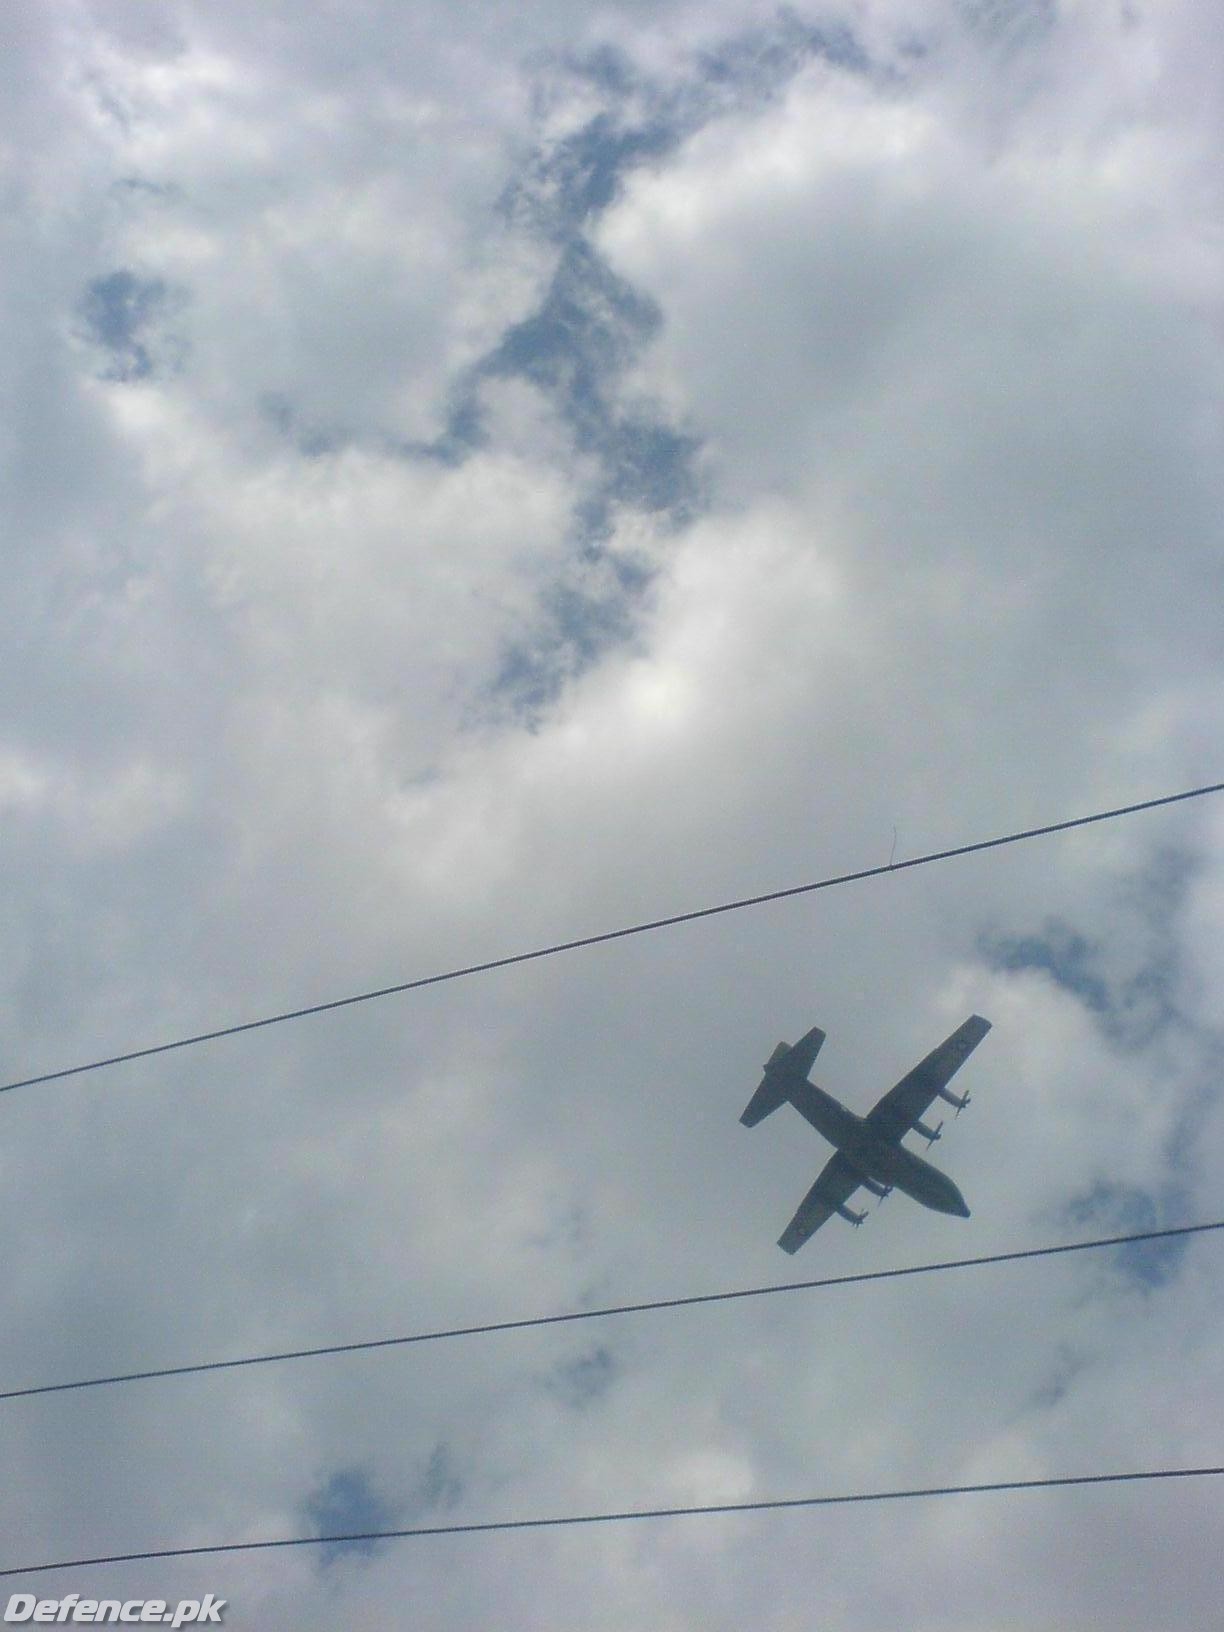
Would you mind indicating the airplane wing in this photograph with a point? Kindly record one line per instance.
(837, 1182)
(903, 1105)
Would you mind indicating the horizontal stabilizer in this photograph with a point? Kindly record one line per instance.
(771, 1092)
(803, 1056)
(785, 1067)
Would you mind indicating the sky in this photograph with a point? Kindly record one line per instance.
(477, 476)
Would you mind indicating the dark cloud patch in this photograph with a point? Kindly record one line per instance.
(125, 316)
(588, 328)
(346, 1504)
(754, 64)
(1185, 1147)
(1121, 1209)
(607, 68)
(462, 435)
(578, 621)
(312, 441)
(582, 1381)
(574, 348)
(590, 324)
(1126, 978)
(1113, 1206)
(1053, 1389)
(1158, 894)
(651, 466)
(440, 1485)
(141, 189)
(745, 71)
(1068, 958)
(1144, 1000)
(564, 187)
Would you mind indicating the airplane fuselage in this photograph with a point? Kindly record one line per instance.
(877, 1158)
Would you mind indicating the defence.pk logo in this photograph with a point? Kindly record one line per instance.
(24, 1606)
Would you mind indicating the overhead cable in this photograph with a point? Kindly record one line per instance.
(611, 935)
(366, 1537)
(488, 1327)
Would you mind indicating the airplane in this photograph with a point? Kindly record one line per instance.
(869, 1149)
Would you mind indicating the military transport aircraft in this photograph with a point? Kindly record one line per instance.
(869, 1149)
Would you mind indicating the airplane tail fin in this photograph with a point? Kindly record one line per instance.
(784, 1067)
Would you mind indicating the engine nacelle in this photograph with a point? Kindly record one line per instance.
(929, 1134)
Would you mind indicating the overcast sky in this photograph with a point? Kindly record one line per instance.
(479, 475)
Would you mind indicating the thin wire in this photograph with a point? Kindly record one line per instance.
(598, 1314)
(617, 1518)
(610, 935)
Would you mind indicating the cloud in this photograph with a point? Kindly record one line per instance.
(119, 311)
(479, 480)
(582, 1381)
(346, 1505)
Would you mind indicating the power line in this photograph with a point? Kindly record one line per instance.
(610, 935)
(598, 1314)
(775, 1506)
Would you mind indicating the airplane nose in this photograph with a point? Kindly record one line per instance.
(954, 1201)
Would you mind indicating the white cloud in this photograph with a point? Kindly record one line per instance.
(942, 563)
